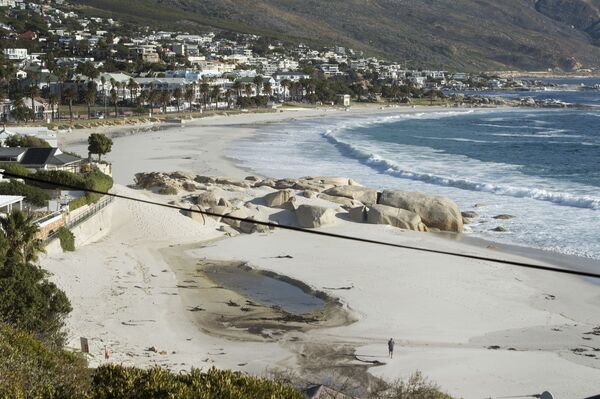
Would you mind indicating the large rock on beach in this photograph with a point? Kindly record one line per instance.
(358, 214)
(312, 216)
(397, 217)
(207, 199)
(219, 210)
(344, 201)
(367, 196)
(194, 214)
(241, 213)
(438, 212)
(276, 199)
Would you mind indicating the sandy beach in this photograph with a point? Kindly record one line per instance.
(479, 329)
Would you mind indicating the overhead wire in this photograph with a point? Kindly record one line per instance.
(312, 231)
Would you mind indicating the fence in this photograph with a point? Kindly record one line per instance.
(85, 214)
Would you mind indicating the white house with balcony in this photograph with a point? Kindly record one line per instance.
(15, 54)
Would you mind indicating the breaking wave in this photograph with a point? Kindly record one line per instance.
(391, 168)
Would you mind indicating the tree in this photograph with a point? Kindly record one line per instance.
(178, 95)
(286, 84)
(237, 86)
(20, 234)
(17, 140)
(89, 96)
(70, 95)
(165, 99)
(99, 144)
(215, 93)
(190, 95)
(103, 81)
(258, 81)
(21, 113)
(267, 89)
(114, 99)
(54, 101)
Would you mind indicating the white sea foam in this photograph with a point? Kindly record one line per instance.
(390, 167)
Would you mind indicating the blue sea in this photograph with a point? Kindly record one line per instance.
(540, 165)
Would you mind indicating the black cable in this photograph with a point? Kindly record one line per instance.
(314, 232)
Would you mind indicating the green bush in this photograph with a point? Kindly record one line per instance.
(58, 177)
(31, 369)
(30, 302)
(18, 140)
(33, 195)
(15, 168)
(113, 382)
(67, 239)
(168, 191)
(94, 180)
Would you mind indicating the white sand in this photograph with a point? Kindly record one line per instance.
(442, 311)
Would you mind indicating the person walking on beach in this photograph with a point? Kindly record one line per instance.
(391, 347)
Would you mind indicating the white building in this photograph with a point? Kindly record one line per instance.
(15, 54)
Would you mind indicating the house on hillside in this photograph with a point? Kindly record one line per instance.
(10, 202)
(41, 158)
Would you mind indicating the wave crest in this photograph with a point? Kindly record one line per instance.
(393, 169)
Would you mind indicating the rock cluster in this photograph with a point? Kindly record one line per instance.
(311, 202)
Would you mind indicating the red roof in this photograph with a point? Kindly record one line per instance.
(29, 35)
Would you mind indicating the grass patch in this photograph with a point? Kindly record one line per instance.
(168, 191)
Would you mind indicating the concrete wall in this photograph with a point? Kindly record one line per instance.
(93, 229)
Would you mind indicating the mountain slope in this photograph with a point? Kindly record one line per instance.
(466, 34)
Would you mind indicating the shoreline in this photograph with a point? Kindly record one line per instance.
(125, 291)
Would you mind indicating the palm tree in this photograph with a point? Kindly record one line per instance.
(267, 89)
(237, 86)
(132, 85)
(103, 81)
(33, 92)
(153, 98)
(54, 100)
(190, 95)
(114, 99)
(165, 99)
(248, 90)
(178, 95)
(258, 81)
(204, 90)
(89, 96)
(216, 94)
(69, 96)
(21, 235)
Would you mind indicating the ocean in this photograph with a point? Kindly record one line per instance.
(541, 166)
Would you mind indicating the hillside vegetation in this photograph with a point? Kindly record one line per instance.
(461, 34)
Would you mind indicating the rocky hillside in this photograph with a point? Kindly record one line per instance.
(465, 34)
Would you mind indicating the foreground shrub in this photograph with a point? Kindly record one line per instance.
(15, 168)
(30, 302)
(31, 369)
(112, 382)
(67, 239)
(94, 180)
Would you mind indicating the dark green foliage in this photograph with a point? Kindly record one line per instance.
(28, 300)
(58, 177)
(31, 369)
(33, 195)
(114, 382)
(67, 239)
(99, 144)
(25, 141)
(168, 191)
(15, 168)
(22, 114)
